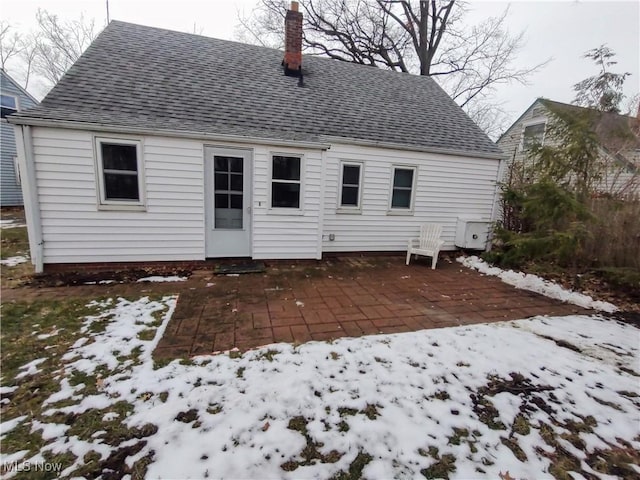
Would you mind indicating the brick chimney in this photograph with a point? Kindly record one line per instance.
(293, 41)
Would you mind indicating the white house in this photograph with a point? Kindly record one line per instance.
(161, 146)
(618, 139)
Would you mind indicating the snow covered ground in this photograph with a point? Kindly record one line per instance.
(10, 223)
(14, 261)
(464, 402)
(533, 283)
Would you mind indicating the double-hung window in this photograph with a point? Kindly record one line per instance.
(532, 135)
(286, 183)
(350, 186)
(402, 189)
(120, 175)
(8, 104)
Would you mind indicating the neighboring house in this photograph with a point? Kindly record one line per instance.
(618, 139)
(166, 146)
(14, 99)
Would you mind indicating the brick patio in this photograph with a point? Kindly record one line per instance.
(337, 298)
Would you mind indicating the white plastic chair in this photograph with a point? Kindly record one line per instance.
(428, 245)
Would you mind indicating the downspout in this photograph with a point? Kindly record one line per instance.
(24, 146)
(496, 199)
(323, 170)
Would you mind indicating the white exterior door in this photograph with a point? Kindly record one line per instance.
(228, 202)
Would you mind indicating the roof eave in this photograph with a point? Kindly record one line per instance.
(109, 128)
(412, 148)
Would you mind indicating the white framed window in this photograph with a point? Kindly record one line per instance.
(120, 173)
(286, 182)
(350, 194)
(403, 181)
(8, 104)
(532, 134)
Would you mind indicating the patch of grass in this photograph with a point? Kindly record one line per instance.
(269, 355)
(235, 354)
(240, 372)
(344, 411)
(521, 425)
(355, 468)
(512, 444)
(147, 334)
(459, 434)
(627, 393)
(371, 411)
(159, 363)
(310, 454)
(343, 426)
(487, 413)
(334, 355)
(21, 324)
(441, 468)
(441, 395)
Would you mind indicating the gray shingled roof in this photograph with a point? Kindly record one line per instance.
(143, 77)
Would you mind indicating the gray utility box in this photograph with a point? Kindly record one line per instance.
(472, 233)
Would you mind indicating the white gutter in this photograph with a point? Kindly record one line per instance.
(28, 183)
(41, 122)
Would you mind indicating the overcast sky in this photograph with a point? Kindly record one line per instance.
(562, 31)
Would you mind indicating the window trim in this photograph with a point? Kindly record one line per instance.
(397, 210)
(286, 210)
(16, 98)
(531, 123)
(103, 202)
(357, 209)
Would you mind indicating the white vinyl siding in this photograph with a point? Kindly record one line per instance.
(279, 233)
(75, 230)
(445, 187)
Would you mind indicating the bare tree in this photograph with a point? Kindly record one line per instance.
(11, 44)
(60, 43)
(426, 37)
(45, 53)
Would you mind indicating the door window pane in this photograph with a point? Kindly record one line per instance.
(236, 182)
(222, 200)
(236, 201)
(228, 181)
(221, 181)
(235, 164)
